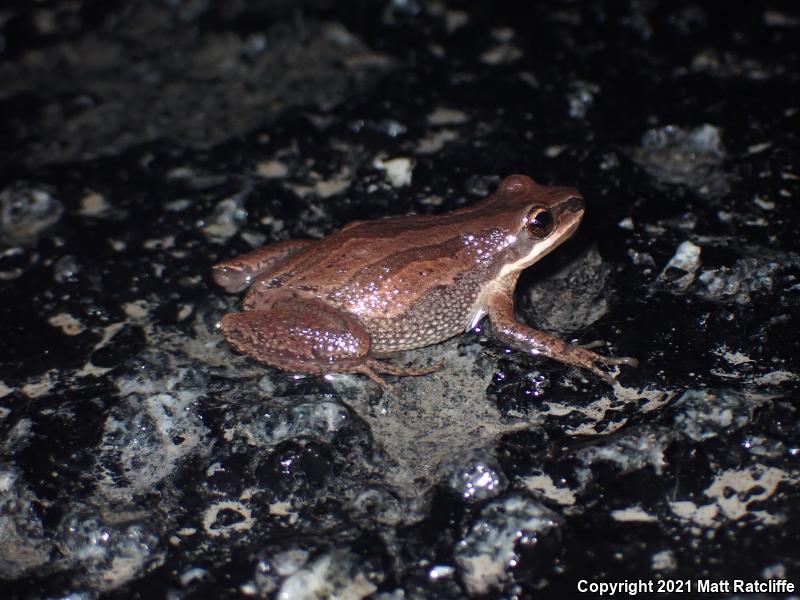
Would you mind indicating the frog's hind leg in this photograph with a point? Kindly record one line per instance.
(299, 334)
(309, 336)
(238, 273)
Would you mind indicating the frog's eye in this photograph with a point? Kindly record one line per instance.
(539, 223)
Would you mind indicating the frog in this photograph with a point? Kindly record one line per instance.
(349, 301)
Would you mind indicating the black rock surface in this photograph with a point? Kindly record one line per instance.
(142, 141)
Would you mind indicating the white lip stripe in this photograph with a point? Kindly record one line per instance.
(540, 249)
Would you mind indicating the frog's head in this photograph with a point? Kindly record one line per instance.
(540, 218)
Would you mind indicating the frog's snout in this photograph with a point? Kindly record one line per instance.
(574, 204)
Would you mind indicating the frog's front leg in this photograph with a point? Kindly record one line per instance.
(238, 273)
(501, 313)
(307, 336)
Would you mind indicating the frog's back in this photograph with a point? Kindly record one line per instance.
(412, 281)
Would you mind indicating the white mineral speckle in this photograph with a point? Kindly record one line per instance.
(67, 323)
(776, 571)
(543, 484)
(435, 141)
(734, 490)
(763, 203)
(40, 385)
(664, 561)
(500, 54)
(626, 223)
(272, 169)
(330, 187)
(730, 495)
(138, 309)
(595, 411)
(330, 576)
(192, 575)
(704, 516)
(184, 311)
(210, 516)
(441, 572)
(687, 260)
(774, 378)
(634, 514)
(732, 357)
(94, 205)
(397, 170)
(554, 150)
(447, 116)
(283, 509)
(178, 205)
(226, 218)
(248, 589)
(502, 34)
(323, 188)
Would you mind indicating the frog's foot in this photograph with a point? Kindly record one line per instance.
(581, 356)
(540, 343)
(296, 334)
(312, 337)
(390, 369)
(610, 360)
(385, 385)
(372, 367)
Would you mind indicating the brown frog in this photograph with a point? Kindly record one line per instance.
(346, 302)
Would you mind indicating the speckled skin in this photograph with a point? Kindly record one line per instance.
(377, 287)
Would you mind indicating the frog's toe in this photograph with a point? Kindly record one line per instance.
(593, 344)
(434, 368)
(592, 361)
(604, 375)
(374, 376)
(607, 360)
(390, 369)
(610, 360)
(618, 360)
